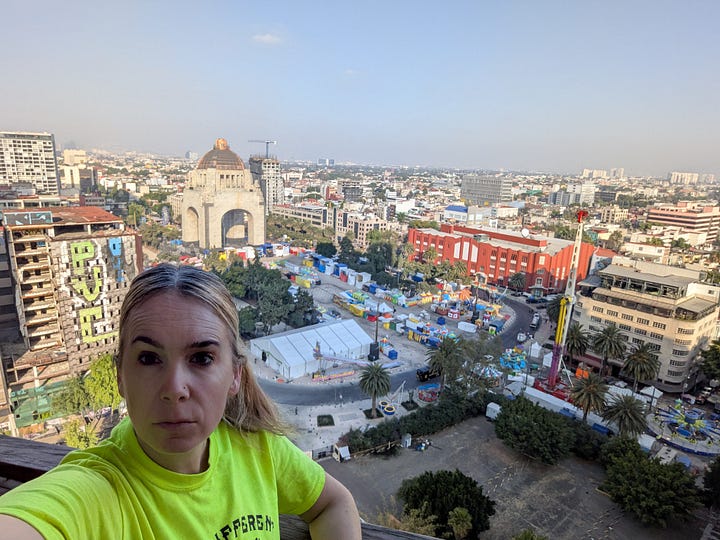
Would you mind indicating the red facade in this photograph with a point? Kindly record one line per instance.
(500, 254)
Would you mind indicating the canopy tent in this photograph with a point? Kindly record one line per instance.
(295, 353)
(652, 392)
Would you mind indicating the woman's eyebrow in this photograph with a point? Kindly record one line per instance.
(204, 344)
(145, 339)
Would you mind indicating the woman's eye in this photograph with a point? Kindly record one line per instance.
(147, 358)
(202, 359)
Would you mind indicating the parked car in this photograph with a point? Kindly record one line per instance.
(425, 373)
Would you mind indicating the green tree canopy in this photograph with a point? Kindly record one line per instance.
(577, 341)
(534, 431)
(79, 435)
(656, 493)
(442, 492)
(326, 249)
(517, 281)
(101, 383)
(609, 343)
(641, 364)
(711, 360)
(711, 485)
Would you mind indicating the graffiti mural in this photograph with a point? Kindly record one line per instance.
(92, 272)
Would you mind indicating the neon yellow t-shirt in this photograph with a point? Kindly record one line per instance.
(116, 491)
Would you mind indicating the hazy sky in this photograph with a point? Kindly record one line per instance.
(536, 85)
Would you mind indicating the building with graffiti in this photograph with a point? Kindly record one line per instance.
(69, 268)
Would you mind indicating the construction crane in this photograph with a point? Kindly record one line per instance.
(566, 305)
(267, 145)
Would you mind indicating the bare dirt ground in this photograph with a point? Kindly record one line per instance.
(561, 502)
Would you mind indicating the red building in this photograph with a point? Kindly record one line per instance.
(498, 254)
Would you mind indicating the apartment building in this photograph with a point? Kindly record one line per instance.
(496, 254)
(266, 173)
(485, 190)
(316, 214)
(692, 217)
(359, 224)
(70, 269)
(29, 158)
(613, 214)
(685, 178)
(668, 307)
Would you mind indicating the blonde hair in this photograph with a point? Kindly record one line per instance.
(248, 410)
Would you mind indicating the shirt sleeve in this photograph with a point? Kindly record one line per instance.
(68, 502)
(299, 479)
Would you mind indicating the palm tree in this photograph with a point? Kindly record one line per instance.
(448, 358)
(577, 341)
(553, 309)
(517, 281)
(641, 364)
(589, 394)
(375, 381)
(610, 343)
(628, 414)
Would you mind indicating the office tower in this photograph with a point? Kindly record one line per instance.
(698, 218)
(594, 173)
(617, 173)
(266, 172)
(29, 158)
(73, 157)
(486, 189)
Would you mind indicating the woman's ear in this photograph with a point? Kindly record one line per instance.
(235, 385)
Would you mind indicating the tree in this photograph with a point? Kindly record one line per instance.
(326, 249)
(415, 520)
(429, 255)
(460, 522)
(74, 397)
(374, 381)
(79, 435)
(589, 394)
(534, 431)
(517, 281)
(711, 485)
(247, 317)
(440, 493)
(615, 241)
(641, 364)
(553, 310)
(101, 383)
(656, 493)
(303, 312)
(577, 341)
(711, 360)
(628, 414)
(610, 343)
(347, 250)
(447, 359)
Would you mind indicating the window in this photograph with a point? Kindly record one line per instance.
(627, 317)
(643, 321)
(675, 373)
(541, 259)
(612, 313)
(524, 259)
(641, 331)
(678, 363)
(637, 341)
(659, 325)
(679, 352)
(686, 331)
(624, 327)
(596, 319)
(598, 309)
(655, 335)
(683, 341)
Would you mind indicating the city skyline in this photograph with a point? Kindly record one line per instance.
(547, 87)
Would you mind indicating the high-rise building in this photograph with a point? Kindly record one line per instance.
(29, 158)
(266, 172)
(484, 190)
(72, 157)
(70, 269)
(683, 178)
(666, 307)
(617, 173)
(594, 173)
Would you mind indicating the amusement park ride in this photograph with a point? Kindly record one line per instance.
(566, 306)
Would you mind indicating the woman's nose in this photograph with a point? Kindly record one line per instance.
(174, 385)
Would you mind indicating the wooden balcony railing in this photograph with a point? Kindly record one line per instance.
(22, 460)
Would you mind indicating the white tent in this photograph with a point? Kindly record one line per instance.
(293, 354)
(652, 392)
(535, 350)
